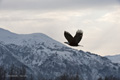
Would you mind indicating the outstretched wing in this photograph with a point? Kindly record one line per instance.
(68, 36)
(78, 36)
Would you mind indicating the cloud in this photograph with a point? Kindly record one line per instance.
(113, 17)
(56, 4)
(52, 17)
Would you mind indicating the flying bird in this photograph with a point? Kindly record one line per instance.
(73, 41)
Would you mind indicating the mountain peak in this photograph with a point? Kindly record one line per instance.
(22, 39)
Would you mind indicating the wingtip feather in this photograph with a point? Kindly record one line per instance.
(79, 31)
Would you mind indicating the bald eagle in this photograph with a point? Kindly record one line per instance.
(73, 41)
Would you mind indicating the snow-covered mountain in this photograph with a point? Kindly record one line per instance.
(114, 58)
(44, 57)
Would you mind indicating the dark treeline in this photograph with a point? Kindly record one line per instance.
(109, 78)
(14, 73)
(20, 73)
(68, 77)
(76, 77)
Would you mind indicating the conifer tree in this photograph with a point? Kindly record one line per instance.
(2, 73)
(100, 78)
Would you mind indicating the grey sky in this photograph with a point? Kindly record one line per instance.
(56, 4)
(99, 19)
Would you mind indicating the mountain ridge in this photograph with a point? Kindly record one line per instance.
(49, 58)
(114, 58)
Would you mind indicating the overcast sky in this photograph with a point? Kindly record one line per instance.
(99, 20)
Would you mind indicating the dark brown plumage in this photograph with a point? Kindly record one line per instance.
(73, 41)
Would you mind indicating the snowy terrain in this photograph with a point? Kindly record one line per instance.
(114, 58)
(45, 57)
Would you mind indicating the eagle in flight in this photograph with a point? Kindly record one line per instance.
(73, 41)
